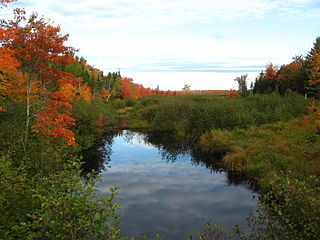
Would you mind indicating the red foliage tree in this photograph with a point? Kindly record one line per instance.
(54, 119)
(126, 88)
(38, 46)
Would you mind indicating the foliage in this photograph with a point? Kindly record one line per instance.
(60, 206)
(292, 77)
(278, 147)
(313, 68)
(53, 120)
(289, 211)
(242, 84)
(36, 45)
(92, 119)
(196, 114)
(295, 203)
(216, 141)
(267, 80)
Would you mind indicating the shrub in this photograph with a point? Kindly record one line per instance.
(57, 206)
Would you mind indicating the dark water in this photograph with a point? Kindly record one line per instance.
(168, 187)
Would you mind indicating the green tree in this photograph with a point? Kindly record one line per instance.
(313, 68)
(242, 84)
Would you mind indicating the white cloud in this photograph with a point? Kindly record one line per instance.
(139, 34)
(141, 13)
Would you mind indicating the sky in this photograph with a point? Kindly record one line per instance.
(169, 43)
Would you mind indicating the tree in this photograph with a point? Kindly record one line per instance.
(313, 68)
(291, 76)
(85, 92)
(186, 87)
(127, 89)
(37, 46)
(7, 64)
(267, 81)
(113, 83)
(242, 84)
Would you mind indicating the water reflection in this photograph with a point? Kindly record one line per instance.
(167, 186)
(172, 148)
(97, 156)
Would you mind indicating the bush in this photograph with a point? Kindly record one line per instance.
(58, 206)
(92, 118)
(295, 203)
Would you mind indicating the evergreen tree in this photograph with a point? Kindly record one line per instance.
(313, 69)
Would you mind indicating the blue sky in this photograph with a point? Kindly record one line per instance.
(145, 37)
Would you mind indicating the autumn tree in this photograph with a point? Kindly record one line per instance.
(267, 81)
(126, 90)
(8, 65)
(37, 46)
(293, 76)
(7, 62)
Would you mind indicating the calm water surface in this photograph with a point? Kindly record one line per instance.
(166, 187)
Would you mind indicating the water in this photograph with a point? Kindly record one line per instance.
(167, 187)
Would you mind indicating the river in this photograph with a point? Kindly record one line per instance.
(167, 187)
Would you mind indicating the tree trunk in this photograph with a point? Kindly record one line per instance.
(28, 104)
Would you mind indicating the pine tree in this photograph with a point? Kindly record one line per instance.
(313, 69)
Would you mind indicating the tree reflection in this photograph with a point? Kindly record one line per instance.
(96, 157)
(171, 148)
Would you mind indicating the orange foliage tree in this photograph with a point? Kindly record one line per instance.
(37, 46)
(85, 92)
(105, 94)
(126, 90)
(271, 73)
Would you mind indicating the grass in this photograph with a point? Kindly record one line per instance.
(278, 147)
(193, 115)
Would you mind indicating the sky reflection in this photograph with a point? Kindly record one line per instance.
(174, 199)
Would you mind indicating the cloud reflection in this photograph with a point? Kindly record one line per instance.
(174, 199)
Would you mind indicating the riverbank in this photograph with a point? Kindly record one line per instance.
(263, 136)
